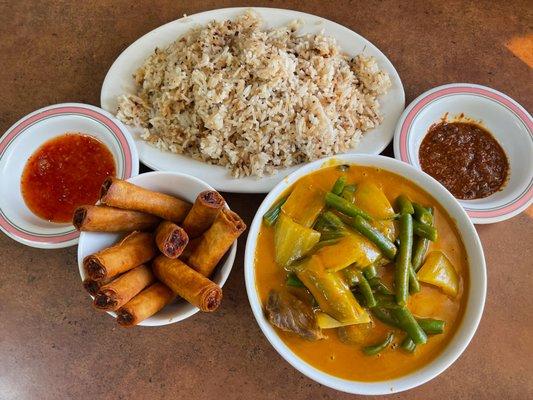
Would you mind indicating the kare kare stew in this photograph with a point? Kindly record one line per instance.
(362, 273)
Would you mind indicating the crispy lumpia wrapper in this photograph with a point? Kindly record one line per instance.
(187, 283)
(145, 304)
(111, 219)
(121, 290)
(203, 213)
(118, 193)
(215, 242)
(135, 249)
(171, 239)
(92, 286)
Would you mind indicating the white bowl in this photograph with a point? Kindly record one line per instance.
(507, 120)
(22, 140)
(475, 295)
(180, 185)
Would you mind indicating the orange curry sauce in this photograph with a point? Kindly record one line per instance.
(64, 173)
(346, 360)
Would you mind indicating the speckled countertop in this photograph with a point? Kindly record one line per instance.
(53, 345)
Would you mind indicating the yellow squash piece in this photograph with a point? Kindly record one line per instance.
(292, 240)
(331, 292)
(371, 199)
(439, 271)
(304, 203)
(352, 248)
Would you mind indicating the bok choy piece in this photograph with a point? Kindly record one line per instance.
(331, 292)
(292, 240)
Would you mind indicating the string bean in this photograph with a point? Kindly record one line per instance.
(379, 347)
(272, 215)
(401, 273)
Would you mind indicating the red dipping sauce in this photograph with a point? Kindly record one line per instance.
(64, 173)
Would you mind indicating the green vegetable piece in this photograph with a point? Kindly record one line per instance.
(401, 273)
(293, 280)
(422, 214)
(271, 216)
(408, 345)
(379, 239)
(420, 249)
(414, 285)
(431, 326)
(365, 289)
(292, 241)
(344, 206)
(409, 324)
(404, 205)
(333, 220)
(379, 286)
(379, 347)
(331, 292)
(348, 193)
(370, 272)
(425, 231)
(385, 316)
(339, 185)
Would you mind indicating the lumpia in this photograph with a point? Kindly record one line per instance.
(111, 219)
(135, 249)
(214, 243)
(171, 239)
(121, 290)
(145, 304)
(122, 194)
(187, 283)
(93, 286)
(203, 213)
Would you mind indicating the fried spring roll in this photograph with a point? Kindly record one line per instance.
(93, 286)
(145, 304)
(118, 193)
(203, 213)
(111, 219)
(187, 283)
(213, 244)
(118, 292)
(135, 249)
(171, 239)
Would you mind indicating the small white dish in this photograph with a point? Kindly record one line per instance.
(119, 80)
(187, 188)
(475, 296)
(25, 137)
(509, 123)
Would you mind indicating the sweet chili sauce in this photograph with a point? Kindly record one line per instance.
(64, 173)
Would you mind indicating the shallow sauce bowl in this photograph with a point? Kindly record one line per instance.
(187, 188)
(508, 122)
(475, 296)
(25, 137)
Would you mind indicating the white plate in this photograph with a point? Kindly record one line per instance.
(22, 140)
(180, 185)
(476, 271)
(509, 123)
(119, 80)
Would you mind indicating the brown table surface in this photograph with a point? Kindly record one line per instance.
(54, 345)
